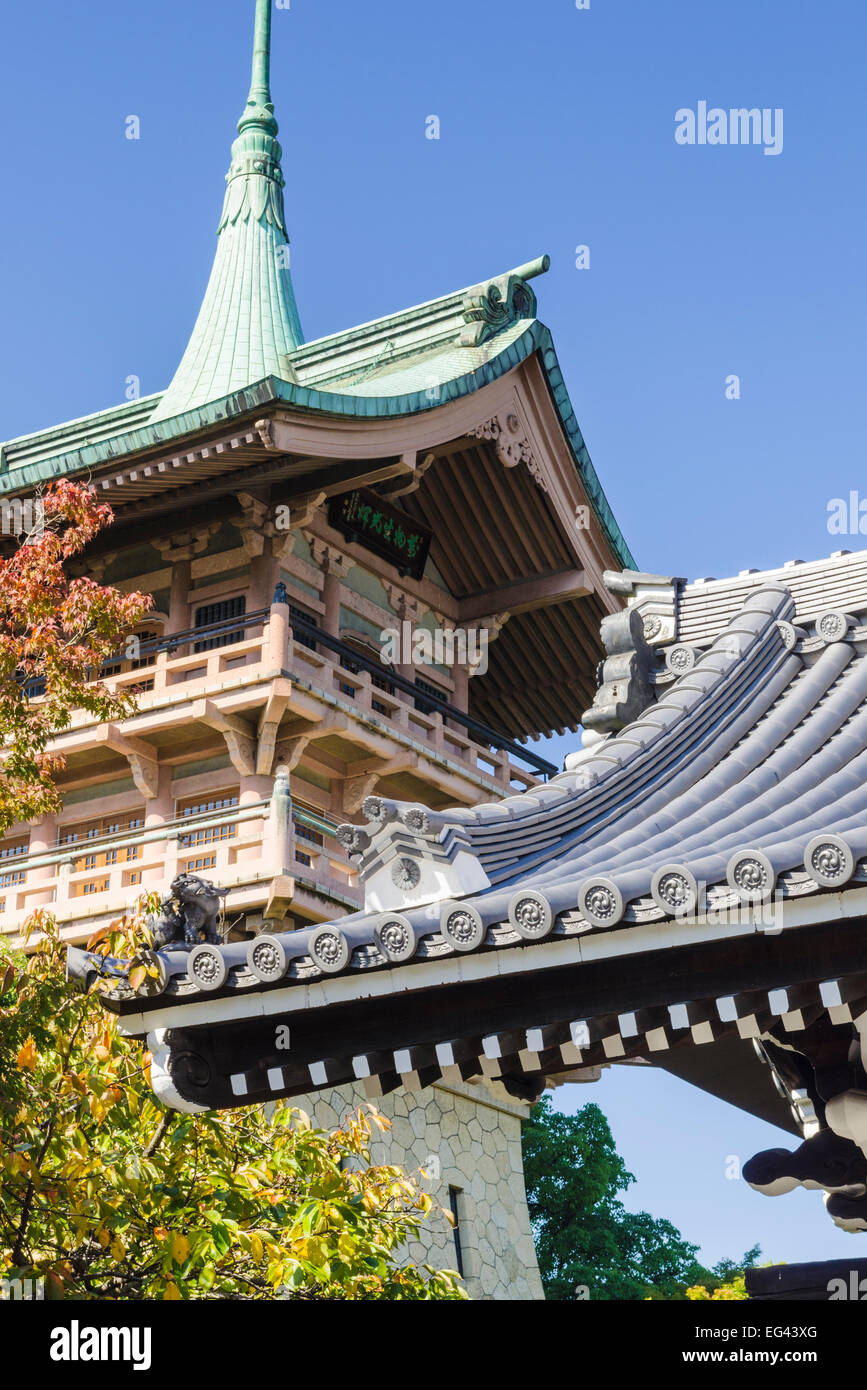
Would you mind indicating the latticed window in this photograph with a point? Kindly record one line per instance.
(221, 612)
(204, 805)
(306, 832)
(12, 880)
(13, 849)
(206, 861)
(97, 829)
(427, 688)
(217, 801)
(298, 615)
(210, 836)
(146, 658)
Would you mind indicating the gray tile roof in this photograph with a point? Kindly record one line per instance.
(747, 779)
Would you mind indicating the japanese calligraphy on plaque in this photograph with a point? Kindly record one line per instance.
(367, 519)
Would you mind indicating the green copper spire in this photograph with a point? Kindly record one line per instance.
(248, 321)
(260, 107)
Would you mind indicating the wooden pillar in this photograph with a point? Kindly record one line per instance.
(178, 551)
(179, 608)
(333, 564)
(461, 678)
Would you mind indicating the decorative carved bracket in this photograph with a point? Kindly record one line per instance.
(492, 627)
(305, 508)
(255, 520)
(263, 428)
(327, 557)
(240, 743)
(269, 726)
(403, 486)
(185, 545)
(356, 790)
(142, 758)
(406, 607)
(512, 448)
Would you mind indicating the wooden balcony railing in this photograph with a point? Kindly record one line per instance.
(246, 650)
(243, 848)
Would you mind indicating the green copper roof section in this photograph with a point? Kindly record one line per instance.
(248, 324)
(476, 366)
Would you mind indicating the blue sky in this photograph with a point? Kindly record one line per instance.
(557, 130)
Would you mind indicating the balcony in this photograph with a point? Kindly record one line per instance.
(237, 674)
(227, 669)
(247, 848)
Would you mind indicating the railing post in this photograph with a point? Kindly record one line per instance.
(63, 885)
(161, 672)
(281, 830)
(173, 849)
(279, 631)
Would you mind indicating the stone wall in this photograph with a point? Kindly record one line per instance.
(465, 1137)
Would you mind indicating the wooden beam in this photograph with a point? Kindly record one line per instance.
(526, 596)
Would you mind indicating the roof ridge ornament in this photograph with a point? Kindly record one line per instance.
(496, 304)
(626, 688)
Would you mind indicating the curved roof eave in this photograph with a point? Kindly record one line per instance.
(535, 338)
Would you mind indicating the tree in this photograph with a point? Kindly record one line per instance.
(55, 634)
(106, 1195)
(587, 1244)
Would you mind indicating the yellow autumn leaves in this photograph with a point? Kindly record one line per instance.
(27, 1057)
(118, 1199)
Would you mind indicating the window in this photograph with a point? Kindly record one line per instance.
(13, 849)
(218, 801)
(298, 615)
(210, 836)
(305, 832)
(124, 659)
(12, 880)
(205, 861)
(454, 1194)
(222, 612)
(147, 658)
(96, 830)
(198, 838)
(426, 688)
(94, 887)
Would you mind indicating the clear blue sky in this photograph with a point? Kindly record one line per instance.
(557, 129)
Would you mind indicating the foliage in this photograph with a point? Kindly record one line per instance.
(735, 1288)
(57, 631)
(587, 1243)
(106, 1195)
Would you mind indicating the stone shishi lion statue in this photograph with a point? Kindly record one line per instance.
(188, 913)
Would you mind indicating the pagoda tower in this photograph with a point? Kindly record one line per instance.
(377, 562)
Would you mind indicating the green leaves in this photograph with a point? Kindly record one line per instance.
(585, 1237)
(230, 1204)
